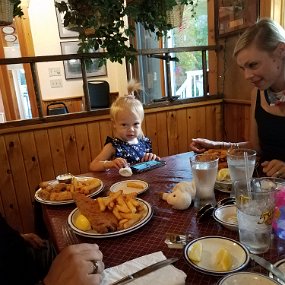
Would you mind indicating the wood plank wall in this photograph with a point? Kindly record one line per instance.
(31, 154)
(236, 120)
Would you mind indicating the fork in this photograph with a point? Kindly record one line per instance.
(69, 235)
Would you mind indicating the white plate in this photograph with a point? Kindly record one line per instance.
(211, 245)
(227, 216)
(96, 191)
(93, 234)
(122, 185)
(247, 278)
(281, 265)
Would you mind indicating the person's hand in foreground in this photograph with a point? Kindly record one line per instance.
(74, 265)
(200, 145)
(274, 168)
(34, 240)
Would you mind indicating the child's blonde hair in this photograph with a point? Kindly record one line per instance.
(129, 102)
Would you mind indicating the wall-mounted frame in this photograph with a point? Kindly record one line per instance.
(234, 16)
(63, 31)
(72, 68)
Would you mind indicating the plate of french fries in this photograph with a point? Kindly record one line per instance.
(111, 216)
(130, 186)
(55, 193)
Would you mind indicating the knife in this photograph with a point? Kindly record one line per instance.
(145, 271)
(269, 266)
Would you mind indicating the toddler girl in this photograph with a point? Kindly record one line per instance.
(129, 145)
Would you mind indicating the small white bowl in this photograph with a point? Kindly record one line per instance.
(64, 178)
(223, 186)
(227, 216)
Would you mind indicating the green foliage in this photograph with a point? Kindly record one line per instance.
(100, 23)
(17, 11)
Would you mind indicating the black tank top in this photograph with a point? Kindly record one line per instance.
(271, 132)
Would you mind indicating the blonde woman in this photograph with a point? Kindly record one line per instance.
(129, 145)
(260, 53)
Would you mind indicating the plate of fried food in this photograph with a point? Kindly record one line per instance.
(221, 154)
(114, 215)
(56, 193)
(130, 186)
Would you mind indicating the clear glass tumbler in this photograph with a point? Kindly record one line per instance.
(241, 163)
(255, 200)
(204, 170)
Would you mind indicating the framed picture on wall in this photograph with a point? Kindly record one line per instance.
(72, 67)
(63, 31)
(234, 16)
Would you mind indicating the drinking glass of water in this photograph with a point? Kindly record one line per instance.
(255, 200)
(204, 170)
(241, 163)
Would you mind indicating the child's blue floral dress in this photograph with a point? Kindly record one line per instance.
(133, 153)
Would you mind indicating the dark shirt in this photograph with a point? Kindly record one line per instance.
(270, 132)
(133, 153)
(15, 262)
(19, 262)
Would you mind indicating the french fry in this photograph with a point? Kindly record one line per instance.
(135, 185)
(131, 206)
(101, 204)
(117, 213)
(130, 222)
(130, 216)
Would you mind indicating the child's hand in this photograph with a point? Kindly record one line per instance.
(119, 163)
(150, 156)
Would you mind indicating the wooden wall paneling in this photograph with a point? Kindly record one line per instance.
(57, 151)
(211, 118)
(183, 143)
(200, 121)
(219, 122)
(83, 147)
(191, 125)
(24, 205)
(151, 131)
(9, 204)
(162, 134)
(70, 149)
(172, 130)
(95, 141)
(106, 129)
(247, 123)
(237, 122)
(31, 161)
(44, 154)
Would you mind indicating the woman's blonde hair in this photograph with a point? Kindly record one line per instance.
(266, 34)
(128, 102)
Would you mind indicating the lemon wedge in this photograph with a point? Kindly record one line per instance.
(224, 260)
(195, 252)
(223, 175)
(82, 223)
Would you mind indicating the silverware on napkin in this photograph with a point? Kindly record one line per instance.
(145, 271)
(269, 266)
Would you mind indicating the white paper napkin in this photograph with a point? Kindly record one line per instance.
(167, 275)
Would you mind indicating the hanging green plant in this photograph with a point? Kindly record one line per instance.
(8, 10)
(100, 22)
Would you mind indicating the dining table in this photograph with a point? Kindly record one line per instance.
(151, 236)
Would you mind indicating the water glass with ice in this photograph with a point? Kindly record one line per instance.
(204, 170)
(241, 163)
(255, 200)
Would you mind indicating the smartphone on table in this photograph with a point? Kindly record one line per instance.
(147, 165)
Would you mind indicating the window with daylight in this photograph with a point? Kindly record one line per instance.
(162, 76)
